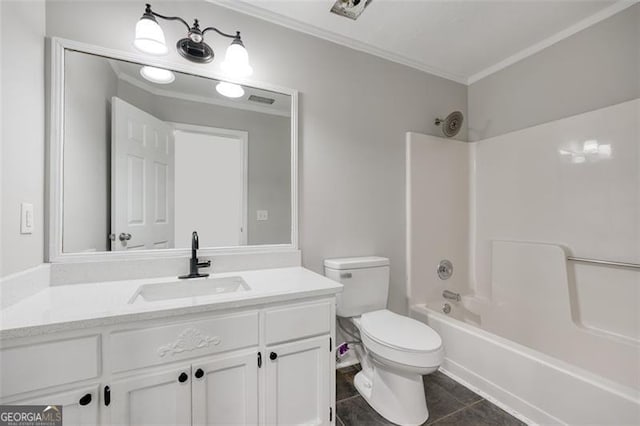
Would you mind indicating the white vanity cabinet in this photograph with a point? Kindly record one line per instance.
(225, 390)
(80, 407)
(298, 388)
(270, 364)
(156, 398)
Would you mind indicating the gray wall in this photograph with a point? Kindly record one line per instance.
(354, 111)
(269, 183)
(23, 130)
(90, 84)
(597, 67)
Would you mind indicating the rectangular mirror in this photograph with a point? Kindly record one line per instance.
(149, 155)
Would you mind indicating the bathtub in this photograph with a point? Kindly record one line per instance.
(533, 386)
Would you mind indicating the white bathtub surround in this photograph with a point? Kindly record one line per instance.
(78, 306)
(535, 196)
(260, 356)
(396, 351)
(535, 387)
(437, 213)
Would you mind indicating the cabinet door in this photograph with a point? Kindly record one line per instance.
(225, 391)
(158, 398)
(298, 382)
(79, 407)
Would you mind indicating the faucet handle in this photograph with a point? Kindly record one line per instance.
(195, 244)
(205, 264)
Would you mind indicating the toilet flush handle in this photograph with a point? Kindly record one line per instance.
(346, 275)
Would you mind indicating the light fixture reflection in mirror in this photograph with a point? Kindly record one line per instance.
(590, 150)
(229, 90)
(157, 75)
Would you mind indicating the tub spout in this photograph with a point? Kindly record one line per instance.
(450, 295)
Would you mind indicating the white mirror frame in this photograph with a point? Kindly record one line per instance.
(56, 150)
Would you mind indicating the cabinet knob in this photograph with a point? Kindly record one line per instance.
(199, 373)
(183, 377)
(85, 400)
(273, 356)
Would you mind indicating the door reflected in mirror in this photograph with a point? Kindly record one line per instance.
(151, 155)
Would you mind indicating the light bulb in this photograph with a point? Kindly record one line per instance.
(157, 75)
(150, 37)
(229, 90)
(236, 61)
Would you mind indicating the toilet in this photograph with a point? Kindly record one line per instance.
(396, 351)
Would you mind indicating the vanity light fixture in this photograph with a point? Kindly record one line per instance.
(229, 90)
(150, 39)
(157, 75)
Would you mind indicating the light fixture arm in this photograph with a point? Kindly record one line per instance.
(150, 12)
(235, 36)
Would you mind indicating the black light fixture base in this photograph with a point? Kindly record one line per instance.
(200, 53)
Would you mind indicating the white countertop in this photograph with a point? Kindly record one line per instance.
(75, 306)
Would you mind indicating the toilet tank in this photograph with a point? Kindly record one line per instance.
(365, 280)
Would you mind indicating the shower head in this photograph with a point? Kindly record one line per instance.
(452, 124)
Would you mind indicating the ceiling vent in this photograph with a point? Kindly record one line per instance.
(261, 99)
(351, 9)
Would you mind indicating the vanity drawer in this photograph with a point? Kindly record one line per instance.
(145, 347)
(297, 322)
(43, 365)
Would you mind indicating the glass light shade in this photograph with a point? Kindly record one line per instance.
(150, 37)
(157, 75)
(229, 90)
(236, 61)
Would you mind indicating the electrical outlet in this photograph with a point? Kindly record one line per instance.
(26, 218)
(262, 215)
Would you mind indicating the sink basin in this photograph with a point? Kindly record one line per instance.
(189, 288)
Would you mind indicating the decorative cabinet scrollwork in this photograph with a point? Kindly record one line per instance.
(189, 340)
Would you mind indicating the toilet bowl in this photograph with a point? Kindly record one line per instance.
(396, 351)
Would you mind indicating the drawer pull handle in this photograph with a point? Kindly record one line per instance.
(199, 373)
(183, 377)
(107, 396)
(273, 356)
(85, 400)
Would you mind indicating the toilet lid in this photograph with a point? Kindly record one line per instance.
(400, 332)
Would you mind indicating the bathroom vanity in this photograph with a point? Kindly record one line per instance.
(259, 351)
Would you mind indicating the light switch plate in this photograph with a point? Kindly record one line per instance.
(26, 218)
(262, 214)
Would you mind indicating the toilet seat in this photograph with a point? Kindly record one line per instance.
(400, 339)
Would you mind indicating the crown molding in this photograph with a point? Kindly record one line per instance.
(605, 13)
(242, 6)
(284, 21)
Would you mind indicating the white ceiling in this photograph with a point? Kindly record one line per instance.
(456, 39)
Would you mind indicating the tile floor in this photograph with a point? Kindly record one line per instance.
(449, 403)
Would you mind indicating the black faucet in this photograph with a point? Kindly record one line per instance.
(194, 265)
